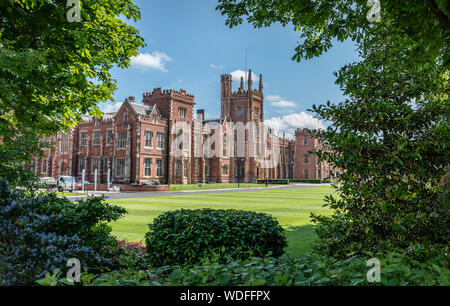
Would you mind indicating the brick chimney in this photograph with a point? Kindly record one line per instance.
(131, 99)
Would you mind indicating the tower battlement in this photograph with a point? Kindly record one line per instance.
(158, 93)
(302, 132)
(226, 77)
(245, 92)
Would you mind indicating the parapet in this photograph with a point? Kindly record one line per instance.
(226, 77)
(302, 131)
(245, 92)
(158, 93)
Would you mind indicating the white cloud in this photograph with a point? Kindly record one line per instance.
(237, 74)
(111, 107)
(156, 60)
(216, 66)
(273, 98)
(289, 123)
(279, 102)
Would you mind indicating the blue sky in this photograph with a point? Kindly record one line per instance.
(189, 46)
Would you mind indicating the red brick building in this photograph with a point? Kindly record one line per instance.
(159, 140)
(307, 165)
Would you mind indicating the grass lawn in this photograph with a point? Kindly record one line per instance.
(179, 187)
(291, 207)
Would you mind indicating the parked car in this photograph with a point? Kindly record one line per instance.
(79, 185)
(66, 183)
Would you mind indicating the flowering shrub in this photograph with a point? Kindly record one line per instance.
(39, 233)
(131, 244)
(130, 255)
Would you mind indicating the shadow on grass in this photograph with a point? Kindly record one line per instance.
(300, 239)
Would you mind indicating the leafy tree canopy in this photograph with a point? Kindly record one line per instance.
(53, 71)
(320, 22)
(390, 140)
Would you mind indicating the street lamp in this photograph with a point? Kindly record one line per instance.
(240, 161)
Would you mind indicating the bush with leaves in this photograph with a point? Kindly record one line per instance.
(307, 270)
(131, 255)
(390, 138)
(39, 233)
(187, 236)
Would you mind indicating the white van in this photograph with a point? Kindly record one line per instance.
(66, 183)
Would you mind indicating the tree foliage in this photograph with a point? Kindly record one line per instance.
(319, 22)
(390, 138)
(53, 71)
(14, 150)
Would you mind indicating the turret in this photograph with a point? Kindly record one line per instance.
(226, 81)
(260, 83)
(226, 84)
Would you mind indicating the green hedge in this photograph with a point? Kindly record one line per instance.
(188, 236)
(313, 181)
(288, 181)
(279, 181)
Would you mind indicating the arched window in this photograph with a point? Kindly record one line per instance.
(225, 170)
(224, 146)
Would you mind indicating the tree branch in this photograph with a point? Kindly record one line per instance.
(440, 15)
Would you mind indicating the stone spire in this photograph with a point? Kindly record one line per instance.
(250, 82)
(260, 83)
(242, 84)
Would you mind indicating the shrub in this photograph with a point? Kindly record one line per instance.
(288, 181)
(311, 181)
(187, 236)
(307, 270)
(125, 277)
(39, 233)
(274, 181)
(131, 255)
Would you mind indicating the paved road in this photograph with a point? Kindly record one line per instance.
(127, 195)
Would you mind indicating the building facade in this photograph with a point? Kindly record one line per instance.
(161, 141)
